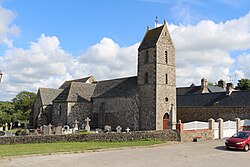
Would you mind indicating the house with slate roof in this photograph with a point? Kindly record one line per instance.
(148, 101)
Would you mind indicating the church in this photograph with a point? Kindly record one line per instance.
(143, 102)
(148, 101)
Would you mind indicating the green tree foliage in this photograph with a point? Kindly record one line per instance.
(243, 84)
(23, 103)
(17, 110)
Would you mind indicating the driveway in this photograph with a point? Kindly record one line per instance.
(200, 154)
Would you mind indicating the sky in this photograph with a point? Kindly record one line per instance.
(44, 42)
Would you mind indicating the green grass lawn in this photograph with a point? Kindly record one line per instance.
(48, 148)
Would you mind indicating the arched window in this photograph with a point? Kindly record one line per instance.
(166, 57)
(146, 78)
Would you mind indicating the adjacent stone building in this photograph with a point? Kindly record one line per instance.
(143, 102)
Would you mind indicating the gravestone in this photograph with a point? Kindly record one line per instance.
(107, 128)
(11, 125)
(50, 129)
(118, 129)
(1, 129)
(6, 126)
(66, 129)
(87, 127)
(45, 130)
(83, 126)
(127, 129)
(59, 130)
(8, 134)
(75, 129)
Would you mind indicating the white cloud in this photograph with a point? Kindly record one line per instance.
(46, 64)
(108, 60)
(43, 64)
(203, 50)
(7, 29)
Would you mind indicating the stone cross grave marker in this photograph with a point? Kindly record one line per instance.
(6, 126)
(118, 129)
(87, 127)
(127, 129)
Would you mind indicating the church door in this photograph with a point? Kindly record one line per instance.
(165, 121)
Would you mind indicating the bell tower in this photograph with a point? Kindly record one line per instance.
(157, 80)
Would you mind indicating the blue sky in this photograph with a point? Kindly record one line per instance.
(43, 43)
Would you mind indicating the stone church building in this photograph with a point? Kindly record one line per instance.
(143, 102)
(148, 101)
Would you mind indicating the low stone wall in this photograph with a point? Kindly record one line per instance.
(188, 136)
(166, 135)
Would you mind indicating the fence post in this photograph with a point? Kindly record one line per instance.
(211, 124)
(221, 129)
(180, 126)
(237, 124)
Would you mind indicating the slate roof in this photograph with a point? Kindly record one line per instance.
(67, 83)
(47, 95)
(151, 37)
(197, 90)
(77, 91)
(219, 99)
(122, 87)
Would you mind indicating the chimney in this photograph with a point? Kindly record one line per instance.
(204, 88)
(222, 84)
(230, 88)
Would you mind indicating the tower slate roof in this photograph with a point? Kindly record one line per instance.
(47, 95)
(77, 92)
(219, 99)
(151, 37)
(122, 87)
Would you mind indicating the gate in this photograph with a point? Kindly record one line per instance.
(229, 128)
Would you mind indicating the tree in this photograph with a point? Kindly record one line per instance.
(243, 84)
(23, 103)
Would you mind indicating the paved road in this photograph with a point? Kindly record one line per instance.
(201, 154)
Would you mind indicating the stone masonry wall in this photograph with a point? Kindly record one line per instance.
(189, 114)
(78, 111)
(188, 136)
(166, 135)
(117, 111)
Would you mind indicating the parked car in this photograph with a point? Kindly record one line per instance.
(240, 140)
